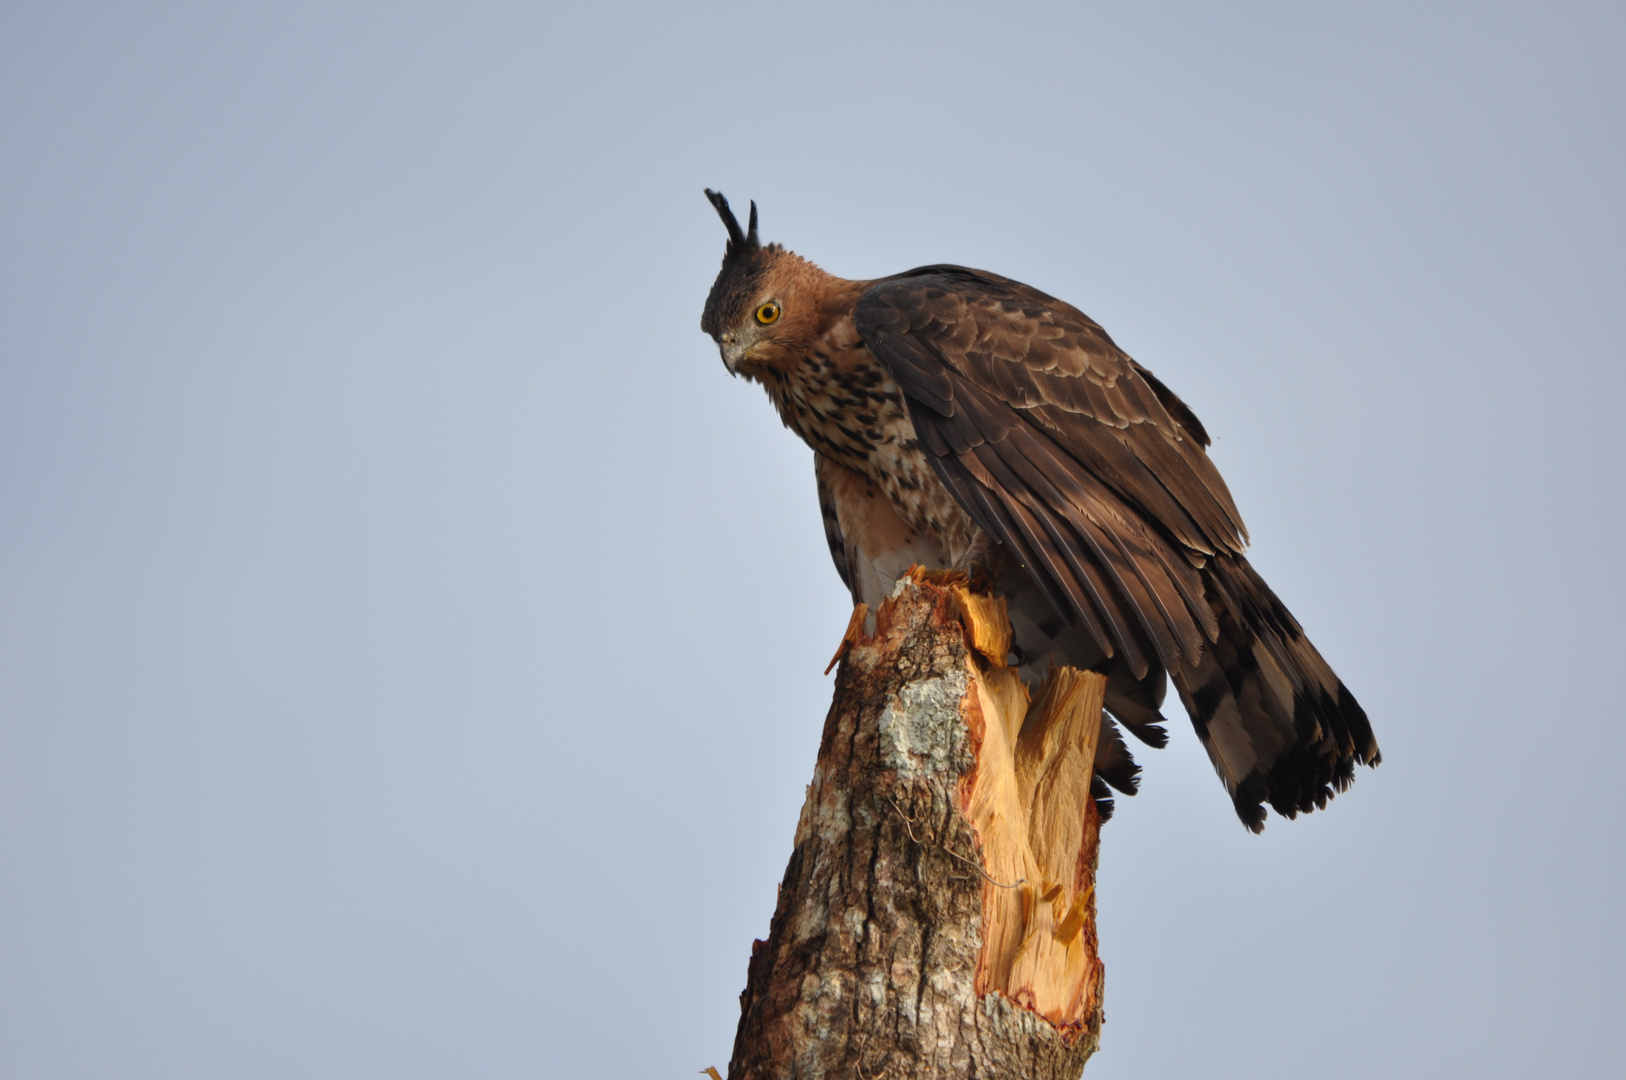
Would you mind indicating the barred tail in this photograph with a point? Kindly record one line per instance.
(1278, 725)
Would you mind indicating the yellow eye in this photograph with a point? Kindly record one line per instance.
(768, 313)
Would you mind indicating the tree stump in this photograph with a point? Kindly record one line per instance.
(937, 917)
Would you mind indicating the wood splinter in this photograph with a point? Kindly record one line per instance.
(886, 954)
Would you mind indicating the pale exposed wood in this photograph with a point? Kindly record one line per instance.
(1055, 971)
(937, 917)
(988, 624)
(1031, 807)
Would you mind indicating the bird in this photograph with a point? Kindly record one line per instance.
(962, 420)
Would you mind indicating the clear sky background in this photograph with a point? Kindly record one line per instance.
(410, 637)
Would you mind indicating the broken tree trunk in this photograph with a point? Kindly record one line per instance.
(937, 918)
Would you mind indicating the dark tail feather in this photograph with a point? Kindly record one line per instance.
(1113, 762)
(1135, 703)
(1278, 725)
(1102, 794)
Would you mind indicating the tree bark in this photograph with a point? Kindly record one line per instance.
(937, 917)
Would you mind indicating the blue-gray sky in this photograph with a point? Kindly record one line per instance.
(410, 637)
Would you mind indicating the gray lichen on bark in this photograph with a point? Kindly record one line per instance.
(922, 734)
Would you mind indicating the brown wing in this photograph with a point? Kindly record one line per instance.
(1094, 477)
(1064, 448)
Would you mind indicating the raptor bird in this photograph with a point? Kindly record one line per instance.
(961, 419)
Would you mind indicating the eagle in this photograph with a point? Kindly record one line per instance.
(962, 420)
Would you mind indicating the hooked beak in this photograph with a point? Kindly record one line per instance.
(733, 350)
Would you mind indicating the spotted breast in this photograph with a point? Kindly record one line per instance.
(847, 408)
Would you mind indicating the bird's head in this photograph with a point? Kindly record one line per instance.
(764, 308)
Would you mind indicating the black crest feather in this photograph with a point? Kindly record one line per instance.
(743, 265)
(739, 243)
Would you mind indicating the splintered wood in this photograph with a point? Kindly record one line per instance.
(1030, 804)
(937, 918)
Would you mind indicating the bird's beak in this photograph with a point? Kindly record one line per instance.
(733, 350)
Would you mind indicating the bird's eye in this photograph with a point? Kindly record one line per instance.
(768, 313)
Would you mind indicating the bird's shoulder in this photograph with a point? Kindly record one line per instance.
(1030, 348)
(982, 358)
